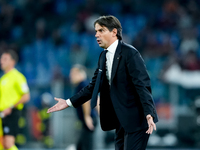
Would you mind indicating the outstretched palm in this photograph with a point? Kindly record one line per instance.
(59, 106)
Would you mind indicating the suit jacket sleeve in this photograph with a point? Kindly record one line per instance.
(85, 93)
(141, 81)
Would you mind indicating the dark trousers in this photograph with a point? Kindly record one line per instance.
(85, 141)
(130, 141)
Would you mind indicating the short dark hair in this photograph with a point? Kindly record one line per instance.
(13, 55)
(81, 69)
(110, 22)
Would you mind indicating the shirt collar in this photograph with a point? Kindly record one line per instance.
(112, 48)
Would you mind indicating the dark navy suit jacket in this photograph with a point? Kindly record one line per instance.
(128, 100)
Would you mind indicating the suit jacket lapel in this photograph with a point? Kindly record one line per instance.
(116, 60)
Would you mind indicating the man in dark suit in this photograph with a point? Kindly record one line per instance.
(126, 102)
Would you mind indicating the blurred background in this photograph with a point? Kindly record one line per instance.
(50, 36)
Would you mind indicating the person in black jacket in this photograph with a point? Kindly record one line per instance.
(85, 114)
(121, 77)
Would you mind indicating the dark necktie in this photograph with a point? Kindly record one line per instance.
(98, 80)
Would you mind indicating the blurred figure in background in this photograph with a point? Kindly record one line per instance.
(86, 116)
(14, 92)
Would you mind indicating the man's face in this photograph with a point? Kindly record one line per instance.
(104, 37)
(74, 75)
(6, 61)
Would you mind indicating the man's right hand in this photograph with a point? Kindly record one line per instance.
(89, 122)
(59, 106)
(7, 112)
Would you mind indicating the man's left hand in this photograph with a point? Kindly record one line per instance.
(152, 125)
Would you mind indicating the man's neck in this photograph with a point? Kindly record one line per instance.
(9, 69)
(113, 46)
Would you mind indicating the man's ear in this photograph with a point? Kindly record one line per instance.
(114, 32)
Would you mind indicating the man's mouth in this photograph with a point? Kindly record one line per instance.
(98, 41)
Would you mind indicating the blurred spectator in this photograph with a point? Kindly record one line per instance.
(185, 20)
(86, 116)
(189, 41)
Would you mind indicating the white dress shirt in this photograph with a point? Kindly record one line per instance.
(109, 62)
(109, 59)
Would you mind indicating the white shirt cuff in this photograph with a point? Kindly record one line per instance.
(69, 103)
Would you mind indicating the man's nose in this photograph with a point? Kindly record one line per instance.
(96, 35)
